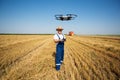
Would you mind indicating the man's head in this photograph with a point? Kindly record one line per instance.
(59, 29)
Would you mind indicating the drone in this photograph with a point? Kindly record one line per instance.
(66, 17)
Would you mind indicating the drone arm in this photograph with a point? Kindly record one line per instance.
(72, 15)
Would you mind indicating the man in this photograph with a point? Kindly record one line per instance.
(59, 39)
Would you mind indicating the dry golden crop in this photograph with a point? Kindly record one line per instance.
(32, 57)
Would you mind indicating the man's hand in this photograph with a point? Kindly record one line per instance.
(64, 39)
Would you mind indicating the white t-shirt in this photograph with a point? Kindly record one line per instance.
(60, 35)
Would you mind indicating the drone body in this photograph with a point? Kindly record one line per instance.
(66, 17)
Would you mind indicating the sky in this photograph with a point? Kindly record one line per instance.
(37, 16)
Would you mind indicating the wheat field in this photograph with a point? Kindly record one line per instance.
(32, 57)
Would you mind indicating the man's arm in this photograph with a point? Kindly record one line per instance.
(57, 40)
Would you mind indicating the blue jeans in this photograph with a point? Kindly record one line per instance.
(59, 54)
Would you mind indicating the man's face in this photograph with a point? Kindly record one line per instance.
(60, 31)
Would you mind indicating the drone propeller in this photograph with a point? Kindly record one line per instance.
(58, 16)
